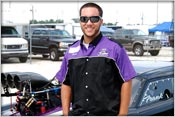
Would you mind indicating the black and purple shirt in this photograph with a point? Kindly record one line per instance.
(96, 75)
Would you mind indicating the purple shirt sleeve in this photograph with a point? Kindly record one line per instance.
(127, 70)
(61, 74)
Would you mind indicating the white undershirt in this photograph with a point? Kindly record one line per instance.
(86, 44)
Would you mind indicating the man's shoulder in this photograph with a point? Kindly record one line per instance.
(77, 42)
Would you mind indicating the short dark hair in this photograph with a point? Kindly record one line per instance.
(90, 4)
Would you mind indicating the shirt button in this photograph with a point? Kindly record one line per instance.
(86, 86)
(87, 112)
(86, 73)
(87, 99)
(87, 59)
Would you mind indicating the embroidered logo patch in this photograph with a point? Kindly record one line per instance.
(74, 49)
(103, 52)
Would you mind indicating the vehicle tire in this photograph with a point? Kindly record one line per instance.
(154, 52)
(54, 56)
(138, 50)
(22, 59)
(45, 56)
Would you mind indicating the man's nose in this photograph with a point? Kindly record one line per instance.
(89, 22)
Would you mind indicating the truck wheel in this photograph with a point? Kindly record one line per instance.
(138, 50)
(54, 56)
(154, 52)
(22, 59)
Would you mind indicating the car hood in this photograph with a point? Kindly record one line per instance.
(13, 41)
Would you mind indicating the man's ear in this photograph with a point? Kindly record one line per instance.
(101, 21)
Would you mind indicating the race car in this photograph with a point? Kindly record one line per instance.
(153, 93)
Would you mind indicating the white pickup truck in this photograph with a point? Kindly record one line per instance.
(13, 45)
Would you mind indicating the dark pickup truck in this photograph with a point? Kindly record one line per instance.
(137, 41)
(50, 42)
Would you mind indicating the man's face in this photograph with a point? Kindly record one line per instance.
(90, 29)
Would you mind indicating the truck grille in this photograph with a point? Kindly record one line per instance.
(155, 43)
(13, 46)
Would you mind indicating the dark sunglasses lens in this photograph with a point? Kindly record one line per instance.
(84, 19)
(94, 19)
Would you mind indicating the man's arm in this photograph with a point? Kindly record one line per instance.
(65, 98)
(126, 91)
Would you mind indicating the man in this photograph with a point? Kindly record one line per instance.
(96, 72)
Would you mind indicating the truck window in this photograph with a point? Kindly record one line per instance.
(36, 33)
(44, 33)
(9, 31)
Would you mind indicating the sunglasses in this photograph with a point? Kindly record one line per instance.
(93, 19)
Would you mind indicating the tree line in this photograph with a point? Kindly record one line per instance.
(46, 21)
(76, 20)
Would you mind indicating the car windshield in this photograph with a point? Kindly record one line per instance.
(136, 83)
(9, 32)
(60, 34)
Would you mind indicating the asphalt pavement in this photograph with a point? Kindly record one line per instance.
(48, 68)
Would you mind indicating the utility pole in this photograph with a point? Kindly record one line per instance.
(29, 33)
(142, 18)
(32, 14)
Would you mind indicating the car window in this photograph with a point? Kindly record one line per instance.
(54, 33)
(138, 32)
(36, 32)
(63, 33)
(159, 89)
(44, 33)
(128, 32)
(118, 32)
(9, 31)
(108, 34)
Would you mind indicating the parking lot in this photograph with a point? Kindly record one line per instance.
(49, 68)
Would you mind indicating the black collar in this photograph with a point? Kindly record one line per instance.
(95, 41)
